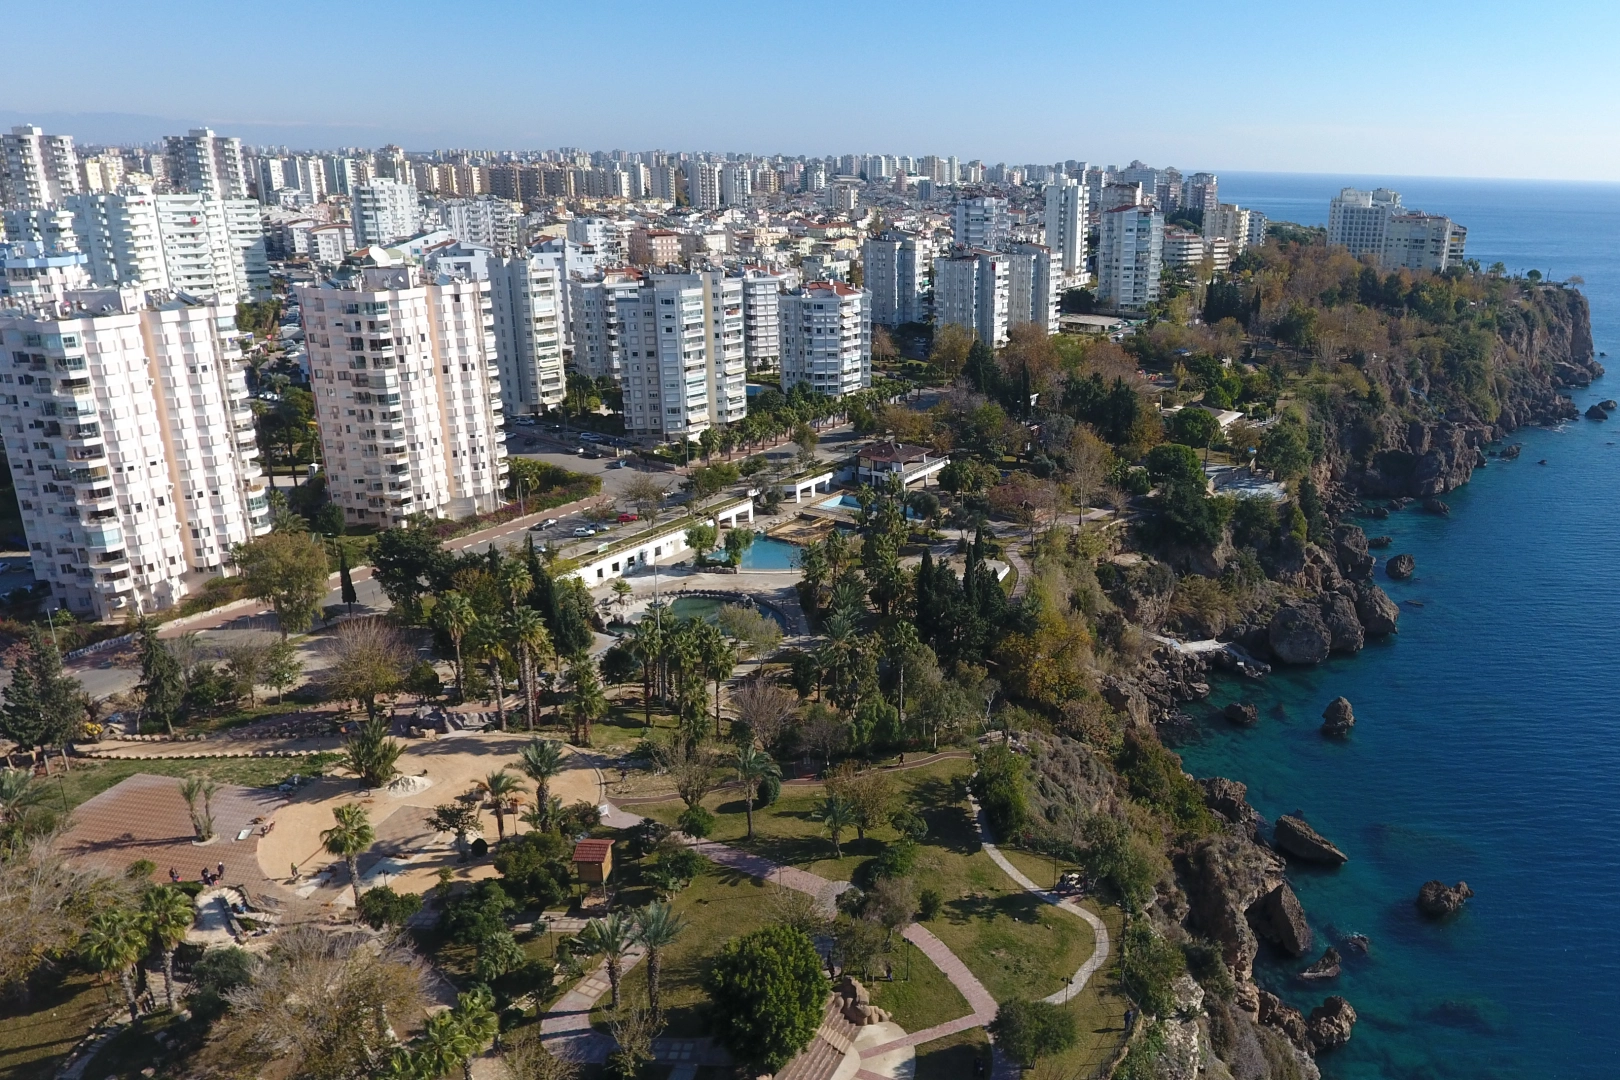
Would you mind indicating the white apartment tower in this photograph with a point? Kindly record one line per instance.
(132, 447)
(595, 322)
(385, 211)
(762, 316)
(206, 164)
(736, 183)
(1130, 257)
(683, 355)
(895, 270)
(972, 290)
(982, 222)
(1066, 227)
(1230, 221)
(1034, 287)
(827, 338)
(1375, 223)
(1356, 219)
(37, 170)
(529, 301)
(703, 184)
(407, 392)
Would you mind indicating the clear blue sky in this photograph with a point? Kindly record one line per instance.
(1443, 87)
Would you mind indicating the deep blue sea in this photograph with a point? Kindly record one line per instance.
(1487, 742)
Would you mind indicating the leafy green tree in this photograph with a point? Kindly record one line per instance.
(1029, 1030)
(167, 915)
(282, 667)
(423, 681)
(738, 541)
(612, 937)
(288, 571)
(998, 784)
(701, 539)
(1173, 461)
(382, 907)
(1193, 426)
(1149, 966)
(536, 868)
(1285, 447)
(656, 928)
(114, 940)
(42, 706)
(767, 991)
(457, 818)
(349, 838)
(408, 563)
(215, 974)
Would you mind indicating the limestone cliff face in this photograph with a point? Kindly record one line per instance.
(1542, 347)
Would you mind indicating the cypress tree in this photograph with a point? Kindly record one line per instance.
(346, 582)
(161, 681)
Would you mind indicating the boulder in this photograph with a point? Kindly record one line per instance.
(1338, 718)
(1297, 634)
(1223, 876)
(1345, 632)
(1229, 799)
(1596, 413)
(1400, 567)
(1437, 900)
(1350, 546)
(1242, 712)
(1379, 541)
(1379, 513)
(1325, 968)
(1432, 505)
(1358, 943)
(1377, 612)
(1511, 452)
(1609, 405)
(1401, 503)
(1293, 836)
(1279, 918)
(1330, 1024)
(1274, 1012)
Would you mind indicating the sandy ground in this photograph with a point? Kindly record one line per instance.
(408, 853)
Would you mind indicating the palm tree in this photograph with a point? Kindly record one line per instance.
(528, 631)
(753, 765)
(541, 760)
(445, 1044)
(657, 927)
(348, 838)
(590, 703)
(611, 937)
(19, 793)
(502, 788)
(167, 914)
(836, 814)
(515, 581)
(114, 940)
(454, 615)
(647, 641)
(489, 636)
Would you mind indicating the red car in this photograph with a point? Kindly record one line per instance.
(627, 517)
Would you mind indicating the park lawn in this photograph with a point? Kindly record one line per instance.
(92, 777)
(952, 1057)
(34, 1043)
(920, 995)
(719, 905)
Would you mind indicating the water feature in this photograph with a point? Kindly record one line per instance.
(769, 553)
(708, 609)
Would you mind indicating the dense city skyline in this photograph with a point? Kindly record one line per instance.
(1384, 102)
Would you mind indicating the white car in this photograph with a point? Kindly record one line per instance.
(584, 530)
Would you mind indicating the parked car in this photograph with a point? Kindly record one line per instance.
(548, 523)
(627, 517)
(589, 436)
(584, 530)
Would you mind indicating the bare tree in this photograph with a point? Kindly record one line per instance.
(44, 904)
(766, 708)
(696, 773)
(369, 660)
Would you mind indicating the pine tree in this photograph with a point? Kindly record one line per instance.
(62, 701)
(347, 582)
(161, 680)
(21, 719)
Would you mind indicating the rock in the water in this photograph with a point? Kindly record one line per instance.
(1325, 968)
(1274, 1012)
(1242, 712)
(1596, 413)
(1379, 541)
(1350, 546)
(1229, 799)
(1345, 632)
(1511, 452)
(1297, 634)
(1438, 900)
(1338, 718)
(1377, 612)
(1279, 918)
(1609, 404)
(1400, 567)
(1433, 505)
(1330, 1024)
(1294, 837)
(1358, 943)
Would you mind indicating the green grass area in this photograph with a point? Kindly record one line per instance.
(920, 995)
(953, 1057)
(90, 778)
(34, 1042)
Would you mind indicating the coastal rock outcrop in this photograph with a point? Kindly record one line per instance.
(1350, 545)
(1596, 413)
(1280, 919)
(1297, 634)
(1400, 567)
(1345, 633)
(1242, 713)
(1437, 900)
(1432, 505)
(1609, 404)
(1274, 1012)
(1223, 876)
(1293, 836)
(1338, 718)
(1326, 968)
(1229, 799)
(1377, 612)
(1330, 1024)
(1380, 541)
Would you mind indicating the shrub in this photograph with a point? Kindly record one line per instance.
(999, 786)
(909, 823)
(477, 913)
(580, 817)
(696, 822)
(215, 974)
(1028, 1030)
(929, 904)
(1148, 968)
(382, 906)
(770, 789)
(535, 868)
(767, 992)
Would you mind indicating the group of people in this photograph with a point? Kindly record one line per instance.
(207, 877)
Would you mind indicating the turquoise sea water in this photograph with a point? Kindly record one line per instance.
(1487, 744)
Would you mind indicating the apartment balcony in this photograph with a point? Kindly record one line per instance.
(111, 585)
(117, 570)
(242, 417)
(96, 501)
(104, 538)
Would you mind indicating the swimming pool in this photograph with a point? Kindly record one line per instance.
(708, 608)
(769, 553)
(840, 502)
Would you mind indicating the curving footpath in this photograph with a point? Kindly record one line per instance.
(566, 1026)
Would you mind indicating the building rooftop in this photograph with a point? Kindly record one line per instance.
(592, 851)
(893, 451)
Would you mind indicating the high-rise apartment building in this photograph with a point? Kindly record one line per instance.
(594, 321)
(972, 290)
(827, 338)
(762, 316)
(529, 294)
(1374, 223)
(37, 171)
(661, 182)
(1257, 229)
(1130, 257)
(1200, 193)
(213, 247)
(486, 220)
(1230, 221)
(736, 183)
(132, 447)
(1066, 227)
(385, 211)
(1357, 219)
(981, 222)
(1034, 287)
(407, 392)
(895, 269)
(202, 163)
(684, 359)
(703, 184)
